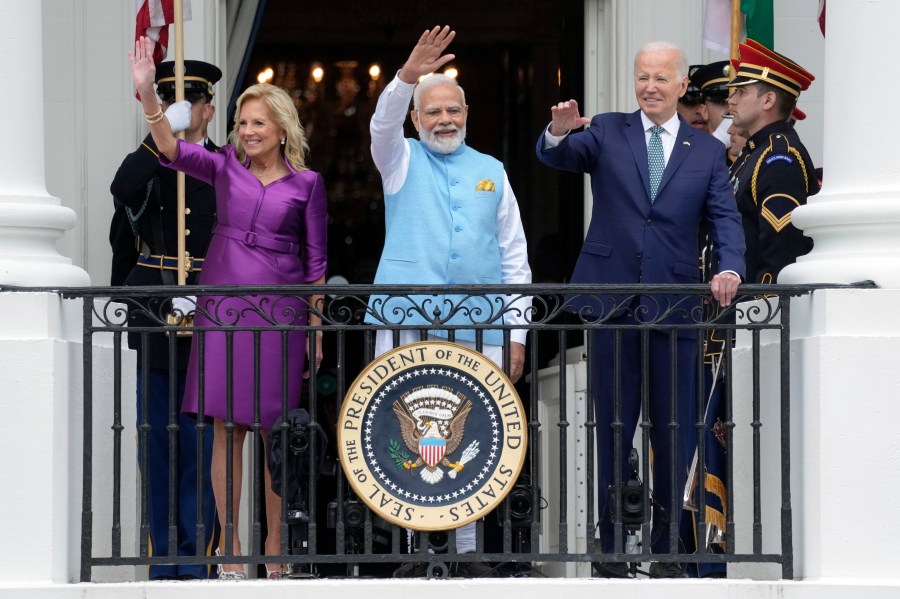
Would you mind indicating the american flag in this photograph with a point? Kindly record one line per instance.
(822, 16)
(153, 20)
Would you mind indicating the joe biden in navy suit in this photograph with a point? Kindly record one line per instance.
(639, 234)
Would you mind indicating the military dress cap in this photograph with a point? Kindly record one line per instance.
(692, 93)
(798, 115)
(199, 78)
(755, 44)
(712, 80)
(758, 63)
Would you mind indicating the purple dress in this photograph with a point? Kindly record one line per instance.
(264, 235)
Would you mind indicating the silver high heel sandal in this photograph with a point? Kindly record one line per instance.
(279, 574)
(229, 575)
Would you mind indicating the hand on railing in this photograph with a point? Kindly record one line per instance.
(724, 287)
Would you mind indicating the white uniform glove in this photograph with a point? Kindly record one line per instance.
(721, 132)
(179, 115)
(185, 305)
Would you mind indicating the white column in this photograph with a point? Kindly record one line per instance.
(30, 219)
(37, 330)
(845, 342)
(844, 414)
(855, 220)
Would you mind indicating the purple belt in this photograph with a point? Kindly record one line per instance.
(252, 239)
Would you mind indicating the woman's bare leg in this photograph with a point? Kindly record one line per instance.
(219, 482)
(273, 518)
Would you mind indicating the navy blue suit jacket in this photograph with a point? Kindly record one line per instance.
(632, 241)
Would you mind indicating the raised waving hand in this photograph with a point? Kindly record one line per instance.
(143, 69)
(426, 57)
(566, 117)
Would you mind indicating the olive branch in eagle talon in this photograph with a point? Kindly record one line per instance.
(397, 454)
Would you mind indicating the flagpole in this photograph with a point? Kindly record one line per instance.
(735, 29)
(178, 16)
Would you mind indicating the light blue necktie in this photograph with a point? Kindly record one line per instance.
(655, 159)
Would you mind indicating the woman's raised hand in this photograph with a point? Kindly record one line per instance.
(143, 69)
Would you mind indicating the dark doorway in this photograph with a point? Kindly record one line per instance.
(515, 59)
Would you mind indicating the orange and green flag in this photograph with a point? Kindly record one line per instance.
(760, 21)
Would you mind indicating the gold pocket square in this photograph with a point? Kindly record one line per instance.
(485, 185)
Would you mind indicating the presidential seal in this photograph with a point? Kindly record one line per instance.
(432, 436)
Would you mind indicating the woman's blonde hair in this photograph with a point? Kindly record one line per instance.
(283, 113)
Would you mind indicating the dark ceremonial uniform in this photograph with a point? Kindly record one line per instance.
(145, 187)
(773, 175)
(148, 193)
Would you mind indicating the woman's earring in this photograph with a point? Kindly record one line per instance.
(282, 141)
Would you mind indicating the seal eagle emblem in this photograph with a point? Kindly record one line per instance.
(432, 423)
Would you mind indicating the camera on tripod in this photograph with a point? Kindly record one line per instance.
(631, 494)
(523, 510)
(520, 505)
(294, 460)
(354, 514)
(298, 441)
(291, 461)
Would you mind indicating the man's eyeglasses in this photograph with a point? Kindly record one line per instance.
(433, 113)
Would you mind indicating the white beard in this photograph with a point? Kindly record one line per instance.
(443, 145)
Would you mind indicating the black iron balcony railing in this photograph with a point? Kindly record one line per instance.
(334, 534)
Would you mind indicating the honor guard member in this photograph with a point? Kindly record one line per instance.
(147, 191)
(712, 80)
(690, 105)
(774, 174)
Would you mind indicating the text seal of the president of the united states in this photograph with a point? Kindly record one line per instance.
(432, 435)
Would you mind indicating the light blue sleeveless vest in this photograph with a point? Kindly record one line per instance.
(441, 229)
